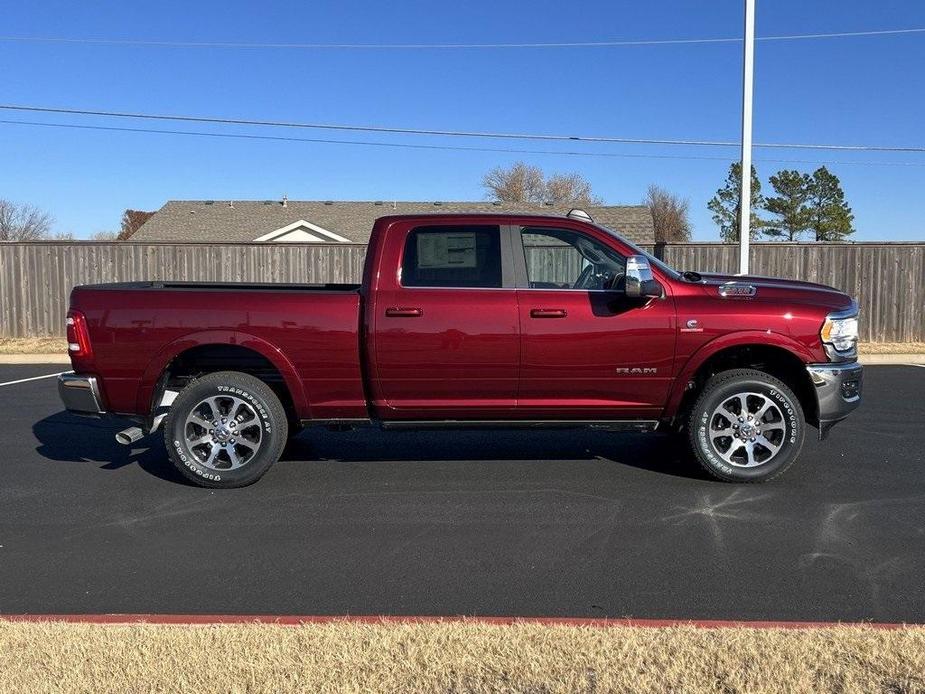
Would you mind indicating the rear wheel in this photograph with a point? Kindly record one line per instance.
(746, 426)
(225, 430)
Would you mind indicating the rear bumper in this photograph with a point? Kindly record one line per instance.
(838, 391)
(80, 394)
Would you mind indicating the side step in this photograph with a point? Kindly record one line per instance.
(632, 425)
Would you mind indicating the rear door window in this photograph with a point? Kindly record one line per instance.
(452, 256)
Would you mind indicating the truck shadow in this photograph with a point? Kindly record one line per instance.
(656, 453)
(66, 438)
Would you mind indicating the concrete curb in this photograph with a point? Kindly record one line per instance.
(875, 359)
(34, 359)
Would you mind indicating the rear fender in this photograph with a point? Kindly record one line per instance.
(274, 355)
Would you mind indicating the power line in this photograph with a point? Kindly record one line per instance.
(459, 133)
(402, 145)
(433, 46)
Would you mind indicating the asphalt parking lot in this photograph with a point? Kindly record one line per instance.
(538, 523)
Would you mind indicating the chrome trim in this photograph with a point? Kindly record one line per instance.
(80, 394)
(837, 357)
(640, 283)
(833, 354)
(828, 379)
(737, 289)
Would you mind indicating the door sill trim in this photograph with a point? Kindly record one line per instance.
(634, 425)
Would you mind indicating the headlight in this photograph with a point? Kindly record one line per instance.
(840, 332)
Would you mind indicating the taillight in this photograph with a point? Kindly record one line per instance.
(78, 337)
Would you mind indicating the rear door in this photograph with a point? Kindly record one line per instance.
(447, 341)
(587, 350)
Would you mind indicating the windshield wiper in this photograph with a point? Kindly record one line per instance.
(691, 276)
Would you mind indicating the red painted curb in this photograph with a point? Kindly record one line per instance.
(295, 620)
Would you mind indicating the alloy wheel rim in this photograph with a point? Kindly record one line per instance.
(747, 429)
(223, 432)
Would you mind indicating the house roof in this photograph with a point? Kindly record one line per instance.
(248, 220)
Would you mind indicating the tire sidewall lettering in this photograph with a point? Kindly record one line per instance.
(193, 467)
(259, 407)
(262, 414)
(787, 408)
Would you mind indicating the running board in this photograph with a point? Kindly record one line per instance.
(633, 425)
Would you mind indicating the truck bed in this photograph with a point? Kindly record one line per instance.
(310, 332)
(223, 286)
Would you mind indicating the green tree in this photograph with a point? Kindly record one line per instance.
(791, 205)
(830, 217)
(726, 203)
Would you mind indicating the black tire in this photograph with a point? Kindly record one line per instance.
(253, 436)
(749, 454)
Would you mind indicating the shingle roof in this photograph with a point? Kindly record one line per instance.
(217, 221)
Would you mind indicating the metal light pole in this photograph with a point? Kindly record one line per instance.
(748, 62)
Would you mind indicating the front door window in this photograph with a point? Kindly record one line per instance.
(565, 259)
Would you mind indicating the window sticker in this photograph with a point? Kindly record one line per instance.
(455, 250)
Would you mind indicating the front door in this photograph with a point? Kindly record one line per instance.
(587, 350)
(447, 342)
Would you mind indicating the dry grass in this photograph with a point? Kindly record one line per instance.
(892, 347)
(33, 345)
(455, 657)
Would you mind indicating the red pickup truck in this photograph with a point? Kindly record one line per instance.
(470, 320)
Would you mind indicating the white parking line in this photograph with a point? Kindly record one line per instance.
(34, 378)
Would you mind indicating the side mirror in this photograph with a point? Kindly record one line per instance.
(640, 284)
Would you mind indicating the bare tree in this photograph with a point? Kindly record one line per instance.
(23, 222)
(132, 221)
(525, 183)
(669, 215)
(104, 236)
(519, 183)
(570, 189)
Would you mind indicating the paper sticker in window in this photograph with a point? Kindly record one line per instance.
(446, 250)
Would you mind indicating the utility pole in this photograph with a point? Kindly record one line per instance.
(745, 199)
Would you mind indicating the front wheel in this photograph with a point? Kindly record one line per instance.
(225, 430)
(746, 426)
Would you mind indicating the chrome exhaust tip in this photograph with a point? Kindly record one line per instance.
(129, 436)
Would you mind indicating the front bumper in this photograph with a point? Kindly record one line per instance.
(80, 394)
(838, 391)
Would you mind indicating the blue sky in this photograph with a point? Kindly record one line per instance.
(844, 90)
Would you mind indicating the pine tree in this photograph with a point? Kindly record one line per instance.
(791, 205)
(831, 218)
(726, 203)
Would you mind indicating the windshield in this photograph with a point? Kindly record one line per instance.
(667, 269)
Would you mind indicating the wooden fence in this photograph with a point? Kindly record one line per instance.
(35, 278)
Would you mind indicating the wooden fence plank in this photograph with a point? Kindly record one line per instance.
(888, 279)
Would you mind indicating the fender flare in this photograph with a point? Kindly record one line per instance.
(173, 349)
(757, 338)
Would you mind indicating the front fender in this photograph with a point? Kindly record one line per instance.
(758, 338)
(222, 337)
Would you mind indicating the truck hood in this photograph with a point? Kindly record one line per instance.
(779, 289)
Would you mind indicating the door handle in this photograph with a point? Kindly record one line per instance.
(403, 312)
(548, 313)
